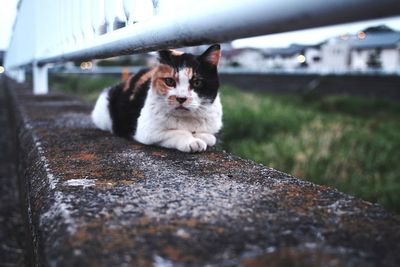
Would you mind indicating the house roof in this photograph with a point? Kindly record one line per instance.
(287, 51)
(377, 40)
(237, 51)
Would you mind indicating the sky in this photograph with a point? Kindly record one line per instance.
(312, 36)
(8, 9)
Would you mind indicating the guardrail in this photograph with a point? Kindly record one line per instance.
(51, 31)
(226, 70)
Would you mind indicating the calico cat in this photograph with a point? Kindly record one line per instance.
(174, 105)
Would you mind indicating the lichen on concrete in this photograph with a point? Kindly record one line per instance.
(99, 200)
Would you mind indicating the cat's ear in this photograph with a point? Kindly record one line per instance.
(164, 56)
(212, 55)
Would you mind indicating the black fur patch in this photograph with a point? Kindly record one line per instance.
(210, 81)
(124, 111)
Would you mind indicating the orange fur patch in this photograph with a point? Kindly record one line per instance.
(125, 74)
(213, 57)
(176, 52)
(161, 72)
(127, 83)
(146, 76)
(188, 72)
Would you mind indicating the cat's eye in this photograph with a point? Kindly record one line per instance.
(197, 83)
(170, 82)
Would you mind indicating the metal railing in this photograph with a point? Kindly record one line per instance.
(51, 31)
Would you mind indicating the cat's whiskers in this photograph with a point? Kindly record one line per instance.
(201, 107)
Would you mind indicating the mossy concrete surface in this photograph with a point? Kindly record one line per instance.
(12, 234)
(93, 199)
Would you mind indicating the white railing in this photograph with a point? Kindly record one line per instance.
(51, 31)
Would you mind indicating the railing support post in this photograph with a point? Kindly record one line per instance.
(20, 75)
(40, 79)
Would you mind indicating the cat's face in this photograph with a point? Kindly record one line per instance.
(185, 82)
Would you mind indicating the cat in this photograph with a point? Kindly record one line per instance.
(175, 104)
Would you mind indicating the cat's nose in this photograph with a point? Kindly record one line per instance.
(181, 100)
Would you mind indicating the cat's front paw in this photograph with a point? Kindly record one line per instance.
(194, 145)
(209, 139)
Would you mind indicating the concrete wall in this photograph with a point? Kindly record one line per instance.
(93, 199)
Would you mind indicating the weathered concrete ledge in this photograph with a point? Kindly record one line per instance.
(93, 199)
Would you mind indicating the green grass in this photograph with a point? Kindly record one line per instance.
(85, 86)
(349, 143)
(352, 144)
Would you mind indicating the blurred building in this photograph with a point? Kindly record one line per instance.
(247, 58)
(286, 59)
(313, 58)
(374, 49)
(335, 55)
(290, 58)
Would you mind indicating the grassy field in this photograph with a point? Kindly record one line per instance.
(352, 144)
(349, 143)
(86, 86)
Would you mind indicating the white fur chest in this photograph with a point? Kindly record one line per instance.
(208, 120)
(154, 121)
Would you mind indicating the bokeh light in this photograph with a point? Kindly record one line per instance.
(86, 65)
(301, 58)
(361, 35)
